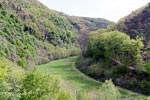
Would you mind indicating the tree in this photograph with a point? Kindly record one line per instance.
(83, 42)
(115, 45)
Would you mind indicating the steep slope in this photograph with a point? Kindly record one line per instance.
(137, 23)
(30, 32)
(89, 24)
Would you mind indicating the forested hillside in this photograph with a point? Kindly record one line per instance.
(137, 23)
(115, 53)
(120, 52)
(88, 24)
(30, 32)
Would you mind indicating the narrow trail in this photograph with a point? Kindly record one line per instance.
(76, 79)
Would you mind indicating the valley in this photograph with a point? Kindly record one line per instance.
(49, 55)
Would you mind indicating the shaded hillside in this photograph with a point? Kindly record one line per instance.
(30, 32)
(137, 23)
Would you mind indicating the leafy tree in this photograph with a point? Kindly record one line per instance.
(115, 45)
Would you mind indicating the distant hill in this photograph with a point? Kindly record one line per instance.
(29, 31)
(90, 24)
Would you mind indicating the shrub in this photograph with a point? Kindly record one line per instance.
(82, 95)
(10, 80)
(15, 79)
(133, 82)
(123, 69)
(145, 85)
(43, 61)
(108, 73)
(147, 66)
(62, 95)
(22, 62)
(96, 70)
(39, 86)
(109, 92)
(5, 89)
(4, 67)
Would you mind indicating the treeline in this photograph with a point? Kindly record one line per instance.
(114, 55)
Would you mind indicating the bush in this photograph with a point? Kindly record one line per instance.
(59, 53)
(147, 66)
(43, 61)
(4, 68)
(5, 89)
(10, 80)
(64, 96)
(15, 79)
(109, 92)
(123, 69)
(82, 95)
(82, 63)
(39, 85)
(34, 85)
(145, 85)
(96, 70)
(133, 82)
(22, 62)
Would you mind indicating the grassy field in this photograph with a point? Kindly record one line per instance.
(75, 80)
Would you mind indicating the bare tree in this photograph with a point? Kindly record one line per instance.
(83, 42)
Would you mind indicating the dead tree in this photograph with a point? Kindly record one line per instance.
(83, 42)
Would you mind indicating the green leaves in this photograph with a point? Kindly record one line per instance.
(109, 92)
(39, 85)
(15, 84)
(4, 67)
(115, 45)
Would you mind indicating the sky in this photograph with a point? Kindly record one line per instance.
(111, 10)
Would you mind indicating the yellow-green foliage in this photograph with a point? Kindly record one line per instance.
(11, 78)
(64, 96)
(109, 92)
(58, 52)
(39, 85)
(4, 68)
(15, 84)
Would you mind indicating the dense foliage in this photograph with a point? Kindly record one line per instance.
(136, 24)
(115, 45)
(124, 59)
(113, 54)
(33, 34)
(15, 84)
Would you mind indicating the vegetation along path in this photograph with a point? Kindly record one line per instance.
(75, 79)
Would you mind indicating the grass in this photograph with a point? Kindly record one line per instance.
(77, 80)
